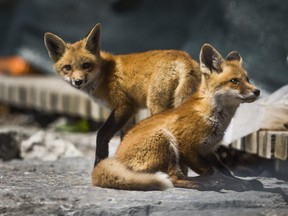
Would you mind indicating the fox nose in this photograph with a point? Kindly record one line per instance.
(256, 92)
(78, 82)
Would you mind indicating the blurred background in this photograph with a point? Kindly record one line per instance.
(256, 28)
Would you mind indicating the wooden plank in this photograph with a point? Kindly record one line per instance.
(30, 97)
(2, 92)
(59, 103)
(49, 94)
(271, 137)
(53, 101)
(43, 100)
(281, 146)
(36, 103)
(11, 94)
(264, 148)
(22, 93)
(273, 144)
(250, 143)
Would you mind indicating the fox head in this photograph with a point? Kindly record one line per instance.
(226, 79)
(76, 63)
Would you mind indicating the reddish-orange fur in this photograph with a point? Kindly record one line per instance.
(158, 80)
(183, 136)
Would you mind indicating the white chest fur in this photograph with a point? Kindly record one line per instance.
(91, 90)
(219, 121)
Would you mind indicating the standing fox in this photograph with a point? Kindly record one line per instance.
(158, 79)
(168, 142)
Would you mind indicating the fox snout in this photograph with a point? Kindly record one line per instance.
(251, 96)
(78, 83)
(77, 79)
(256, 92)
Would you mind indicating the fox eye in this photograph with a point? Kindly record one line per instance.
(87, 66)
(235, 81)
(67, 68)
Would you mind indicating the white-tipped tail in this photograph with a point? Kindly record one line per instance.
(111, 173)
(164, 178)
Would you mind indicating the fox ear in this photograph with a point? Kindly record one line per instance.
(234, 56)
(55, 46)
(210, 59)
(93, 39)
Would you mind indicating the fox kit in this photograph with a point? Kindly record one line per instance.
(153, 153)
(158, 80)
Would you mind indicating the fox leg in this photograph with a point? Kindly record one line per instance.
(215, 162)
(206, 164)
(114, 123)
(211, 176)
(203, 182)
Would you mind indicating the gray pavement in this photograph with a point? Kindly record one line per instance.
(63, 187)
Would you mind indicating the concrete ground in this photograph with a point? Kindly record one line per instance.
(63, 187)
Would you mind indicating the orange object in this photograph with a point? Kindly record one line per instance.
(15, 66)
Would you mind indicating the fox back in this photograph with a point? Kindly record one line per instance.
(130, 80)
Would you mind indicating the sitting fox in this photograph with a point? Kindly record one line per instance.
(158, 80)
(153, 155)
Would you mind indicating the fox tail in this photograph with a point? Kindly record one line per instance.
(110, 173)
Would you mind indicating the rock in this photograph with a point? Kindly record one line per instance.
(10, 144)
(47, 146)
